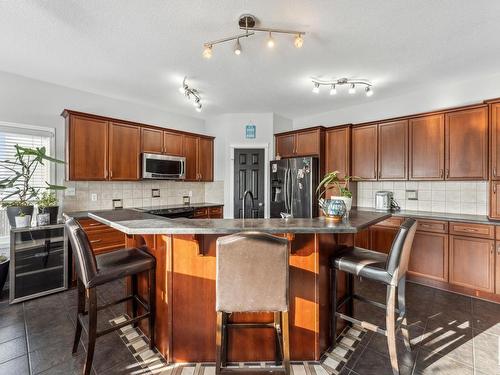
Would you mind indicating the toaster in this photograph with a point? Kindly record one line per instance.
(383, 200)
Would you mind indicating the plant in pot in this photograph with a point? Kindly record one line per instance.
(333, 207)
(4, 270)
(47, 204)
(17, 191)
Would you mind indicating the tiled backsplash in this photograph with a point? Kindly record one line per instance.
(138, 194)
(436, 196)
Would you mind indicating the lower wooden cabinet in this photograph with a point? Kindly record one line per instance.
(102, 237)
(472, 263)
(497, 271)
(429, 256)
(215, 212)
(494, 212)
(381, 238)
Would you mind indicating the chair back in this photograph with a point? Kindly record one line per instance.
(252, 273)
(399, 256)
(85, 262)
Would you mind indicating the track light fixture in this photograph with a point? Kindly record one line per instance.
(352, 83)
(191, 93)
(247, 23)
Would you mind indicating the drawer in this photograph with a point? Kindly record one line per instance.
(434, 226)
(392, 222)
(473, 230)
(106, 239)
(91, 224)
(215, 212)
(200, 213)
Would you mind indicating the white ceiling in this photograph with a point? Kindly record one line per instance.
(140, 50)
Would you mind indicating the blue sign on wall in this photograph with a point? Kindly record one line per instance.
(250, 131)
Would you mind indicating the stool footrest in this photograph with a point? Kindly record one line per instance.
(123, 324)
(369, 326)
(250, 325)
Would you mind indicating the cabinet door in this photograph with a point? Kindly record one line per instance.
(172, 143)
(87, 149)
(497, 271)
(206, 159)
(338, 151)
(467, 145)
(429, 256)
(124, 151)
(426, 148)
(494, 209)
(190, 149)
(393, 150)
(151, 140)
(495, 141)
(381, 238)
(308, 143)
(472, 262)
(285, 145)
(364, 152)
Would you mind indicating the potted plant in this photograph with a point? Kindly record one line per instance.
(4, 270)
(17, 192)
(47, 204)
(22, 220)
(331, 181)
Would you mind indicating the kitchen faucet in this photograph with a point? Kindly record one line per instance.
(247, 192)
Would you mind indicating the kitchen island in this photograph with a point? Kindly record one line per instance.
(185, 297)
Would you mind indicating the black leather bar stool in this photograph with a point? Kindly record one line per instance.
(93, 271)
(386, 269)
(252, 276)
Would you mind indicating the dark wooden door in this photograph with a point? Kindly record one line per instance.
(308, 143)
(426, 150)
(364, 152)
(467, 144)
(429, 256)
(190, 151)
(393, 150)
(472, 262)
(285, 145)
(206, 159)
(338, 151)
(172, 143)
(151, 141)
(124, 151)
(88, 149)
(249, 175)
(495, 141)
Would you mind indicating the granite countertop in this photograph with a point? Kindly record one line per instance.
(135, 222)
(438, 216)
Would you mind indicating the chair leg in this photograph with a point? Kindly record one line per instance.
(152, 306)
(333, 320)
(92, 332)
(135, 292)
(402, 312)
(218, 343)
(350, 291)
(278, 355)
(224, 340)
(390, 324)
(80, 310)
(286, 342)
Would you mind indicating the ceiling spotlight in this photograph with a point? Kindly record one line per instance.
(299, 41)
(198, 107)
(368, 91)
(207, 51)
(182, 90)
(316, 88)
(237, 47)
(196, 103)
(270, 41)
(333, 90)
(352, 89)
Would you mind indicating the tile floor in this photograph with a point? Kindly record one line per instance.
(451, 334)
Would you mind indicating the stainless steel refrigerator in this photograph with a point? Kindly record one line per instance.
(293, 187)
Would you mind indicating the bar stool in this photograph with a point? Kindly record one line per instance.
(252, 276)
(93, 271)
(386, 269)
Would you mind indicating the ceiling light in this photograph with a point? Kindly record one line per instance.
(352, 83)
(368, 91)
(299, 41)
(191, 93)
(207, 51)
(270, 41)
(333, 90)
(352, 89)
(198, 108)
(316, 88)
(237, 47)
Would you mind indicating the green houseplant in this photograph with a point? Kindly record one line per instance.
(47, 204)
(340, 187)
(18, 194)
(4, 270)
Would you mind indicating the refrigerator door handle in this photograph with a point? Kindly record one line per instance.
(285, 188)
(290, 192)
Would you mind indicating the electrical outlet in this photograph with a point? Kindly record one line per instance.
(155, 193)
(93, 197)
(117, 203)
(412, 195)
(70, 192)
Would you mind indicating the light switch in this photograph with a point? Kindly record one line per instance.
(412, 195)
(93, 197)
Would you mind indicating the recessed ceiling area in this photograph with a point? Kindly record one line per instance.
(140, 51)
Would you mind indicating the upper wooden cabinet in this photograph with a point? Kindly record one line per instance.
(466, 151)
(364, 152)
(86, 148)
(124, 152)
(198, 152)
(338, 150)
(285, 145)
(151, 141)
(495, 140)
(393, 150)
(426, 148)
(172, 144)
(300, 143)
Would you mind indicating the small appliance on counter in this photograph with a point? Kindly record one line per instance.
(384, 200)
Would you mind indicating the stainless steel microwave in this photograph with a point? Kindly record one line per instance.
(163, 167)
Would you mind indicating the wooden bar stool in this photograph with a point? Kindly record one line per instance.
(252, 276)
(387, 269)
(93, 271)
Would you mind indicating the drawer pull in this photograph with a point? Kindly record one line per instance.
(470, 230)
(94, 224)
(95, 241)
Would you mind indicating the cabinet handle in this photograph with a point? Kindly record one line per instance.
(440, 173)
(470, 230)
(498, 250)
(494, 188)
(95, 241)
(94, 224)
(492, 250)
(110, 174)
(379, 175)
(494, 171)
(447, 173)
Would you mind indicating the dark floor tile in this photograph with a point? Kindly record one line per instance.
(378, 343)
(374, 363)
(12, 315)
(487, 352)
(110, 351)
(131, 367)
(486, 316)
(43, 319)
(16, 366)
(73, 366)
(354, 357)
(11, 332)
(45, 304)
(446, 301)
(12, 349)
(60, 334)
(433, 363)
(47, 357)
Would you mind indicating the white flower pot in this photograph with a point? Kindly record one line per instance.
(347, 201)
(23, 221)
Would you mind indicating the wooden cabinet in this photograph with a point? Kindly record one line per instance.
(364, 152)
(494, 209)
(429, 254)
(472, 230)
(124, 152)
(426, 148)
(494, 110)
(285, 145)
(472, 262)
(338, 151)
(86, 148)
(467, 144)
(300, 143)
(102, 237)
(200, 213)
(381, 238)
(497, 268)
(216, 212)
(190, 146)
(198, 152)
(393, 150)
(151, 140)
(172, 144)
